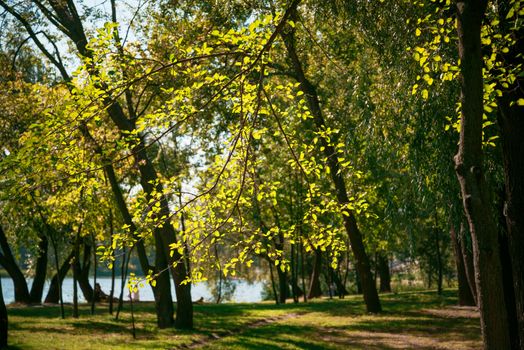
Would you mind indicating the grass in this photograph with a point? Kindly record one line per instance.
(420, 320)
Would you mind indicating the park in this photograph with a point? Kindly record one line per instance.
(261, 174)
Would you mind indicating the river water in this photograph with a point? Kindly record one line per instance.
(245, 292)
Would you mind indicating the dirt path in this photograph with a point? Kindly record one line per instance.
(438, 333)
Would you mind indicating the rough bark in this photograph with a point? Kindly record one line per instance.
(8, 262)
(384, 273)
(350, 223)
(511, 124)
(512, 135)
(37, 288)
(507, 287)
(314, 286)
(465, 296)
(469, 169)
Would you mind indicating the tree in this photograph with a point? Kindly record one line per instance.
(470, 172)
(361, 258)
(509, 116)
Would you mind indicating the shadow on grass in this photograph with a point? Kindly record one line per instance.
(403, 320)
(272, 337)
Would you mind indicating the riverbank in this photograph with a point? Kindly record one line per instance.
(420, 320)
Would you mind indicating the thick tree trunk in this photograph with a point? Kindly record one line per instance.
(469, 169)
(164, 306)
(511, 123)
(3, 321)
(384, 273)
(350, 223)
(37, 288)
(8, 262)
(314, 286)
(509, 295)
(465, 296)
(512, 135)
(53, 294)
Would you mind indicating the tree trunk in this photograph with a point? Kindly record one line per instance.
(507, 287)
(275, 294)
(123, 277)
(75, 272)
(303, 268)
(469, 169)
(314, 285)
(53, 296)
(357, 282)
(3, 320)
(163, 286)
(293, 264)
(71, 26)
(37, 288)
(282, 285)
(166, 234)
(95, 265)
(350, 223)
(384, 274)
(81, 270)
(337, 280)
(465, 296)
(282, 274)
(467, 257)
(511, 124)
(113, 271)
(8, 262)
(439, 261)
(430, 275)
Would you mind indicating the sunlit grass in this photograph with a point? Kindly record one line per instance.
(411, 320)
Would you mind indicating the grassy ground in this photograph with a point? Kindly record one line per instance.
(419, 320)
